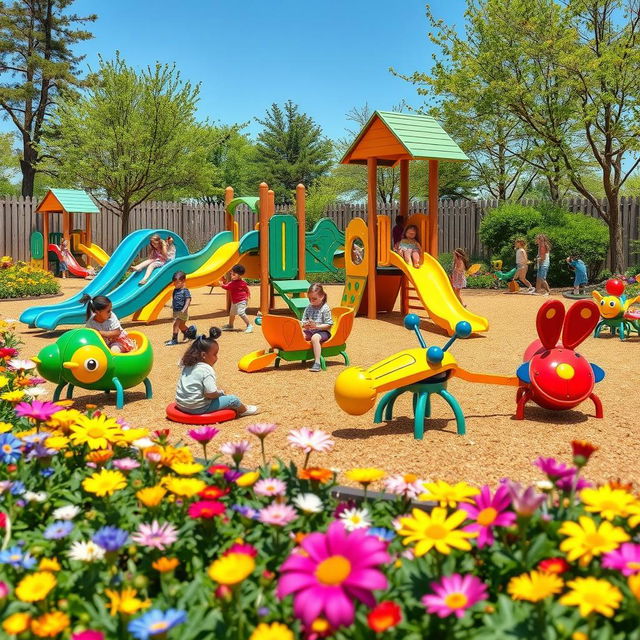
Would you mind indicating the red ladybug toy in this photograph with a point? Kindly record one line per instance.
(554, 376)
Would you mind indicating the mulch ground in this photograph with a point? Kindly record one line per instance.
(495, 445)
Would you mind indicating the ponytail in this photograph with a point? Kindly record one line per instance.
(201, 345)
(94, 304)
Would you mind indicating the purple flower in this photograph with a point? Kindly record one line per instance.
(17, 488)
(553, 469)
(232, 475)
(155, 535)
(245, 511)
(37, 410)
(110, 538)
(525, 502)
(204, 434)
(567, 482)
(58, 530)
(236, 450)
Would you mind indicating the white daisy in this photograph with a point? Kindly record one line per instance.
(309, 440)
(143, 443)
(36, 392)
(68, 512)
(85, 551)
(308, 503)
(35, 496)
(353, 519)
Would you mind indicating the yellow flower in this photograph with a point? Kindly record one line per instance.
(98, 432)
(606, 501)
(57, 442)
(273, 631)
(16, 623)
(12, 396)
(104, 482)
(49, 625)
(365, 476)
(35, 586)
(186, 468)
(232, 568)
(634, 584)
(435, 529)
(248, 479)
(125, 602)
(185, 487)
(585, 540)
(634, 515)
(5, 426)
(534, 586)
(130, 435)
(592, 595)
(4, 381)
(24, 434)
(151, 496)
(49, 564)
(448, 495)
(63, 419)
(164, 564)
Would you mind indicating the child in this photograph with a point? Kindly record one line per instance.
(171, 249)
(396, 232)
(197, 391)
(180, 302)
(409, 247)
(65, 255)
(106, 323)
(459, 272)
(522, 265)
(580, 278)
(543, 259)
(157, 258)
(240, 293)
(317, 322)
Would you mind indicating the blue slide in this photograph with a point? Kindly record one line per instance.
(108, 278)
(130, 296)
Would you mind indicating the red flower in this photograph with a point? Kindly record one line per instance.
(246, 549)
(3, 520)
(582, 450)
(386, 615)
(161, 433)
(218, 469)
(554, 565)
(7, 352)
(213, 493)
(206, 509)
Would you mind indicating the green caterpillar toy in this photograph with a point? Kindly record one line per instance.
(80, 358)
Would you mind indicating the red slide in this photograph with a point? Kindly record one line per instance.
(74, 267)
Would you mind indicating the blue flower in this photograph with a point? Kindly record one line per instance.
(17, 488)
(9, 448)
(110, 538)
(59, 529)
(245, 511)
(384, 535)
(155, 623)
(17, 558)
(40, 451)
(45, 473)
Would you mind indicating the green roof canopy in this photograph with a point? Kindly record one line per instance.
(69, 200)
(251, 201)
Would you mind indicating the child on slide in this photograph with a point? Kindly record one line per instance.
(157, 258)
(409, 247)
(317, 322)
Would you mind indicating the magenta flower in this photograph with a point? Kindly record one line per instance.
(270, 487)
(525, 502)
(206, 509)
(89, 634)
(261, 429)
(155, 535)
(245, 549)
(336, 569)
(454, 595)
(279, 515)
(625, 559)
(553, 469)
(37, 410)
(569, 482)
(203, 434)
(489, 512)
(126, 464)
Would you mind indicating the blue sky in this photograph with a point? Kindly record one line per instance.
(326, 56)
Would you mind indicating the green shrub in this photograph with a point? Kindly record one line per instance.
(501, 226)
(22, 280)
(481, 281)
(327, 277)
(446, 261)
(633, 271)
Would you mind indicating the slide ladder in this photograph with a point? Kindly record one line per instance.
(290, 291)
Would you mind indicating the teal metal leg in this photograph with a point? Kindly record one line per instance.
(148, 388)
(58, 391)
(276, 363)
(387, 398)
(457, 411)
(427, 406)
(419, 417)
(347, 362)
(119, 393)
(70, 389)
(390, 401)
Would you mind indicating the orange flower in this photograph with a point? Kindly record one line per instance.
(164, 564)
(618, 484)
(317, 474)
(385, 615)
(582, 451)
(100, 456)
(51, 624)
(553, 565)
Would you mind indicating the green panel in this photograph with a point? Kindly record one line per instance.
(321, 245)
(55, 237)
(36, 242)
(249, 242)
(75, 201)
(287, 289)
(251, 201)
(327, 352)
(283, 247)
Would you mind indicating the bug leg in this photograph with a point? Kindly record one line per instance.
(70, 389)
(119, 393)
(521, 401)
(58, 391)
(598, 404)
(147, 387)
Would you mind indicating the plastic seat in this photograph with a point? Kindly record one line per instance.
(223, 415)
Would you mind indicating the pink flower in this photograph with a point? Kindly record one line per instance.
(261, 429)
(89, 634)
(337, 568)
(625, 559)
(5, 589)
(525, 502)
(553, 469)
(270, 487)
(408, 485)
(276, 514)
(236, 450)
(489, 512)
(206, 509)
(37, 410)
(309, 440)
(155, 535)
(569, 482)
(245, 549)
(203, 434)
(34, 382)
(126, 464)
(454, 595)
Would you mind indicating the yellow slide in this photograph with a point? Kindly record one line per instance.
(436, 294)
(209, 273)
(95, 253)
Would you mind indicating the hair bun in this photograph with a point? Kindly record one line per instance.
(215, 333)
(85, 298)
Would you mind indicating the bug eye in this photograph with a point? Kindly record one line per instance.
(612, 304)
(90, 364)
(602, 303)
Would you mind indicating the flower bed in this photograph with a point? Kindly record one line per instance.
(22, 280)
(110, 531)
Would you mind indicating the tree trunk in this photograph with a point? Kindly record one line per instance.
(27, 166)
(615, 234)
(124, 220)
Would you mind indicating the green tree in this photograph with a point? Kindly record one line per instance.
(8, 165)
(37, 65)
(133, 137)
(291, 149)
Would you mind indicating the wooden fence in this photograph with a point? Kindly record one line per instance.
(197, 223)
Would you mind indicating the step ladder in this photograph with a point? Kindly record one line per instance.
(291, 291)
(410, 301)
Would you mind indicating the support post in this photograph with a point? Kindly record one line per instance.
(271, 197)
(66, 227)
(433, 208)
(404, 188)
(228, 218)
(87, 235)
(264, 248)
(372, 222)
(301, 215)
(45, 233)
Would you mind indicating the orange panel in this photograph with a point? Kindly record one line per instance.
(378, 141)
(50, 204)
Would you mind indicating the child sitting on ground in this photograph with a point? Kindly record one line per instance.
(157, 258)
(180, 302)
(317, 322)
(580, 278)
(106, 323)
(240, 293)
(459, 272)
(197, 391)
(409, 247)
(522, 265)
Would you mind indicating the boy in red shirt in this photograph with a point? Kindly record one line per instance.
(239, 291)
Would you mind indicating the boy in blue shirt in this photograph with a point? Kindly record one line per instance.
(580, 279)
(180, 304)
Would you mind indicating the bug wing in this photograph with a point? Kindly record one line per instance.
(598, 373)
(549, 323)
(523, 373)
(582, 318)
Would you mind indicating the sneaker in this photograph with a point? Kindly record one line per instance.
(252, 409)
(191, 333)
(546, 294)
(531, 290)
(315, 367)
(249, 329)
(171, 343)
(226, 327)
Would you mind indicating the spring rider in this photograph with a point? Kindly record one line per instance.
(615, 311)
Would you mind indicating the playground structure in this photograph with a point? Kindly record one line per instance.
(553, 376)
(615, 310)
(80, 358)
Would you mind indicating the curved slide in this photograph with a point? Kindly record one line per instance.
(74, 267)
(436, 294)
(95, 252)
(107, 278)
